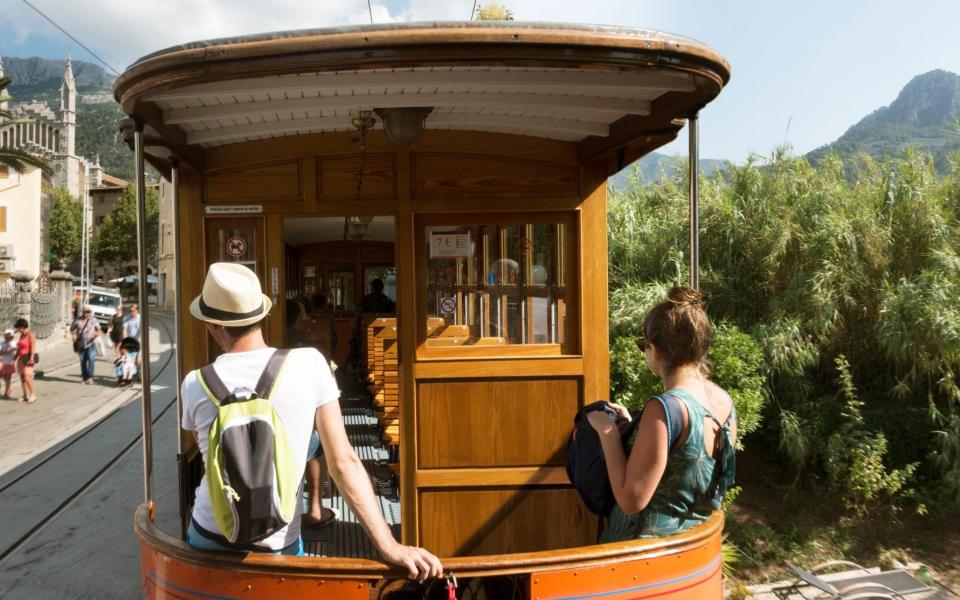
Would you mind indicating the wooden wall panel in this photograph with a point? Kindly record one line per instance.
(593, 272)
(525, 422)
(473, 522)
(348, 251)
(338, 176)
(266, 183)
(452, 174)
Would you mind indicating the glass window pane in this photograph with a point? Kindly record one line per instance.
(494, 285)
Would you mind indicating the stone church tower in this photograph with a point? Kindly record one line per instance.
(68, 167)
(51, 134)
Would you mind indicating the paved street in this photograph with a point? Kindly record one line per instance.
(64, 406)
(67, 510)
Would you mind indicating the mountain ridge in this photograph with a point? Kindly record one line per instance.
(920, 116)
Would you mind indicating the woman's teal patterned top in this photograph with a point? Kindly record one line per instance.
(692, 485)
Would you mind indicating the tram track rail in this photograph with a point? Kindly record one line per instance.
(70, 498)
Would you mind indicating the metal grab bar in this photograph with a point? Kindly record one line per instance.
(146, 404)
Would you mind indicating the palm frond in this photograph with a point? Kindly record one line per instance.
(19, 161)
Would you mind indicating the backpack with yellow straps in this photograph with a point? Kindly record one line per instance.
(253, 479)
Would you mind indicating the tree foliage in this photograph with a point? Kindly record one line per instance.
(493, 11)
(115, 242)
(65, 226)
(814, 266)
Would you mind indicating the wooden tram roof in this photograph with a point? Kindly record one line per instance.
(616, 92)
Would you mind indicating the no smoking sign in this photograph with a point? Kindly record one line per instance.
(448, 305)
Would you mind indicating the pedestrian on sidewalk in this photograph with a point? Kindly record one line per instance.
(26, 359)
(85, 331)
(76, 304)
(8, 359)
(116, 330)
(131, 325)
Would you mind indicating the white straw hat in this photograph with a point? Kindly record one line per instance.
(231, 297)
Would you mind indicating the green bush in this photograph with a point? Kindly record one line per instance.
(814, 265)
(854, 458)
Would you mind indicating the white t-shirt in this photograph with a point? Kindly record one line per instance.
(132, 325)
(8, 358)
(305, 384)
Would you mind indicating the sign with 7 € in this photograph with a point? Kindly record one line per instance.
(450, 244)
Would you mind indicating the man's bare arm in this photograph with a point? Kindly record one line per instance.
(352, 481)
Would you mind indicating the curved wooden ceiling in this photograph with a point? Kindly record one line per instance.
(609, 89)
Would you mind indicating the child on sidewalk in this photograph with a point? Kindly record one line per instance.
(8, 359)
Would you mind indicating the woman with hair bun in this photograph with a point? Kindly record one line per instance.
(663, 488)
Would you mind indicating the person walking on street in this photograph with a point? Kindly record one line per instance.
(26, 359)
(76, 304)
(8, 360)
(116, 330)
(84, 331)
(304, 396)
(131, 325)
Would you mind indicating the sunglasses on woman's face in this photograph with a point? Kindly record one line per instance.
(642, 344)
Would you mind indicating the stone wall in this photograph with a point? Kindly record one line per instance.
(56, 300)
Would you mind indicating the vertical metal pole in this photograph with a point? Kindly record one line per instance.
(146, 405)
(692, 122)
(85, 248)
(88, 203)
(177, 315)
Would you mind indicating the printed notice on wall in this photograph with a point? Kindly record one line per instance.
(234, 209)
(450, 244)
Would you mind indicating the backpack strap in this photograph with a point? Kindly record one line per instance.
(271, 373)
(212, 384)
(674, 414)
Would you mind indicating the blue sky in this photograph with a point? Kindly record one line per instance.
(821, 65)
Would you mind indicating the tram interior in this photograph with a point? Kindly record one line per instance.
(330, 266)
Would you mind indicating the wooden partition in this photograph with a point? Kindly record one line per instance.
(482, 426)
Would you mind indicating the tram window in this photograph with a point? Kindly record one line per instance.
(386, 274)
(340, 285)
(496, 284)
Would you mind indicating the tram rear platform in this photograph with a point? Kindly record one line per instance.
(345, 536)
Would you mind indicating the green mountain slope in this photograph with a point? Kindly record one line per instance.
(920, 117)
(656, 165)
(40, 78)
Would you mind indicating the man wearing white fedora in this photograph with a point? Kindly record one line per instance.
(304, 397)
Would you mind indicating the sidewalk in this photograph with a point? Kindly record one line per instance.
(55, 355)
(64, 405)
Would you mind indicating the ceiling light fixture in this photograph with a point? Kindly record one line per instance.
(403, 126)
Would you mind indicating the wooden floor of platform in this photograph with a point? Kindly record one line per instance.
(345, 537)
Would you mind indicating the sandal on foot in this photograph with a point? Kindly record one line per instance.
(333, 513)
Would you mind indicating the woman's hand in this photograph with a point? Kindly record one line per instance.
(621, 410)
(601, 422)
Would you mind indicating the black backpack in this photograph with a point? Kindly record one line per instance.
(586, 467)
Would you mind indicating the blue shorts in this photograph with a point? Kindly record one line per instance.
(315, 449)
(201, 542)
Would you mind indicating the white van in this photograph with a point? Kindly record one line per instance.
(103, 302)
